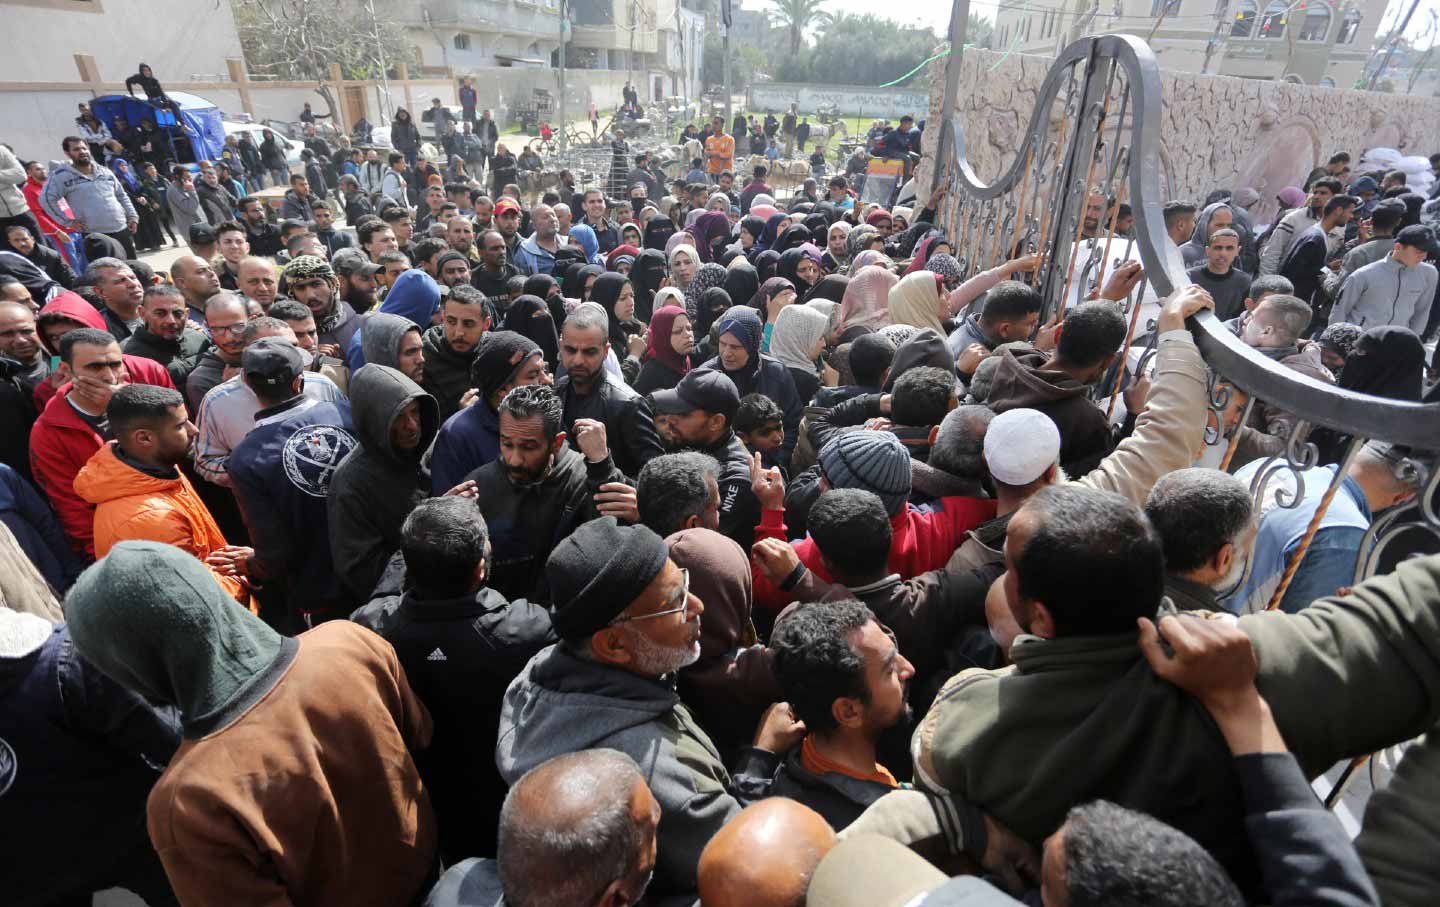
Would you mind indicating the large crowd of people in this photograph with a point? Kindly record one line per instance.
(696, 543)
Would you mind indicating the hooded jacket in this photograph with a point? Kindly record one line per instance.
(377, 485)
(629, 424)
(344, 328)
(1105, 726)
(82, 753)
(281, 473)
(61, 443)
(527, 521)
(1192, 251)
(130, 504)
(447, 372)
(562, 704)
(70, 306)
(295, 782)
(468, 440)
(459, 655)
(771, 378)
(415, 297)
(734, 681)
(1024, 380)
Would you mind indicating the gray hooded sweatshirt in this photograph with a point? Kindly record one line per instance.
(377, 484)
(562, 704)
(380, 340)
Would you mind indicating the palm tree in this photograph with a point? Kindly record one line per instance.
(796, 16)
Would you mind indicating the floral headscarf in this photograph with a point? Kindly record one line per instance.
(947, 267)
(711, 274)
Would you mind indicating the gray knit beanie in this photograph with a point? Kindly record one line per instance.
(873, 461)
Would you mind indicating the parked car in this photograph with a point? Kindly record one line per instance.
(291, 147)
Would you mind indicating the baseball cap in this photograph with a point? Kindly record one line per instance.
(1417, 236)
(506, 205)
(1020, 445)
(202, 234)
(273, 362)
(347, 262)
(703, 388)
(1364, 184)
(876, 871)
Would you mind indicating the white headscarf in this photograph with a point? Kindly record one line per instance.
(797, 328)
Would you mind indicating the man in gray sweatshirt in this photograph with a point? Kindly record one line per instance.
(1398, 289)
(97, 201)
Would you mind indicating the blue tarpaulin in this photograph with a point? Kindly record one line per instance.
(198, 121)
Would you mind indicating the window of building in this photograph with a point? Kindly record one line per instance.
(1316, 24)
(1244, 26)
(1272, 23)
(462, 42)
(1348, 27)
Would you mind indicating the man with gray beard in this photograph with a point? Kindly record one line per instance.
(627, 621)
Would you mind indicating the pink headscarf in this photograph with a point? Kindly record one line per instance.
(764, 212)
(867, 258)
(866, 302)
(680, 239)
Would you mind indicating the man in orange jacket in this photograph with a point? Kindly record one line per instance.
(140, 493)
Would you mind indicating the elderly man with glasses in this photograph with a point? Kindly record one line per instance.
(627, 622)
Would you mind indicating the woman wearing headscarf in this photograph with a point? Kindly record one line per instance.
(866, 302)
(579, 281)
(547, 289)
(614, 293)
(904, 243)
(837, 250)
(682, 238)
(658, 231)
(648, 272)
(774, 295)
(862, 239)
(765, 264)
(684, 262)
(1336, 344)
(530, 316)
(918, 300)
(945, 265)
(792, 237)
(584, 235)
(714, 303)
(764, 212)
(928, 246)
(1387, 361)
(710, 228)
(621, 259)
(709, 276)
(740, 359)
(668, 349)
(797, 342)
(769, 233)
(800, 267)
(831, 287)
(750, 229)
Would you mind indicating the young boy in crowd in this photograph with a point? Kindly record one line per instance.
(759, 425)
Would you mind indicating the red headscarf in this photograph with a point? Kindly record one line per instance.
(878, 214)
(659, 347)
(618, 252)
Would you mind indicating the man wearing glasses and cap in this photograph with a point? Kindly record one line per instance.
(627, 623)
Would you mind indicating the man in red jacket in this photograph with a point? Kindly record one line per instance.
(74, 426)
(877, 462)
(70, 312)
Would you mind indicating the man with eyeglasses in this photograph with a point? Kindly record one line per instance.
(225, 318)
(539, 489)
(627, 622)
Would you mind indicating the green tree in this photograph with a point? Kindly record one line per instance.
(797, 15)
(979, 31)
(891, 50)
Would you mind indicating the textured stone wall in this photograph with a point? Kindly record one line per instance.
(1218, 131)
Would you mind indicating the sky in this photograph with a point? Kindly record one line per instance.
(936, 13)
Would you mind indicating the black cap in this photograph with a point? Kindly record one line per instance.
(703, 388)
(202, 234)
(348, 262)
(272, 362)
(1417, 236)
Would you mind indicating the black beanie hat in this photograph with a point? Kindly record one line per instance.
(597, 571)
(501, 356)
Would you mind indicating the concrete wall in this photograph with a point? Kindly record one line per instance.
(851, 99)
(192, 38)
(1218, 132)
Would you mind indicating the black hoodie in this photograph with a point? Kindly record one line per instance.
(1023, 380)
(377, 485)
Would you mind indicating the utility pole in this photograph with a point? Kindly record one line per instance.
(1222, 21)
(1390, 52)
(564, 17)
(726, 16)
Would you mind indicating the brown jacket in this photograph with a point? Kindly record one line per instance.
(309, 798)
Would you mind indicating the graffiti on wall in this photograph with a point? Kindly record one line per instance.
(847, 99)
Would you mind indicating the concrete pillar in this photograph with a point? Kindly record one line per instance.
(241, 77)
(89, 73)
(342, 104)
(405, 80)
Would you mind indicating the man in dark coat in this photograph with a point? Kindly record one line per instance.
(589, 391)
(460, 643)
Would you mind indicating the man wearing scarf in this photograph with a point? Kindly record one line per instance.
(312, 281)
